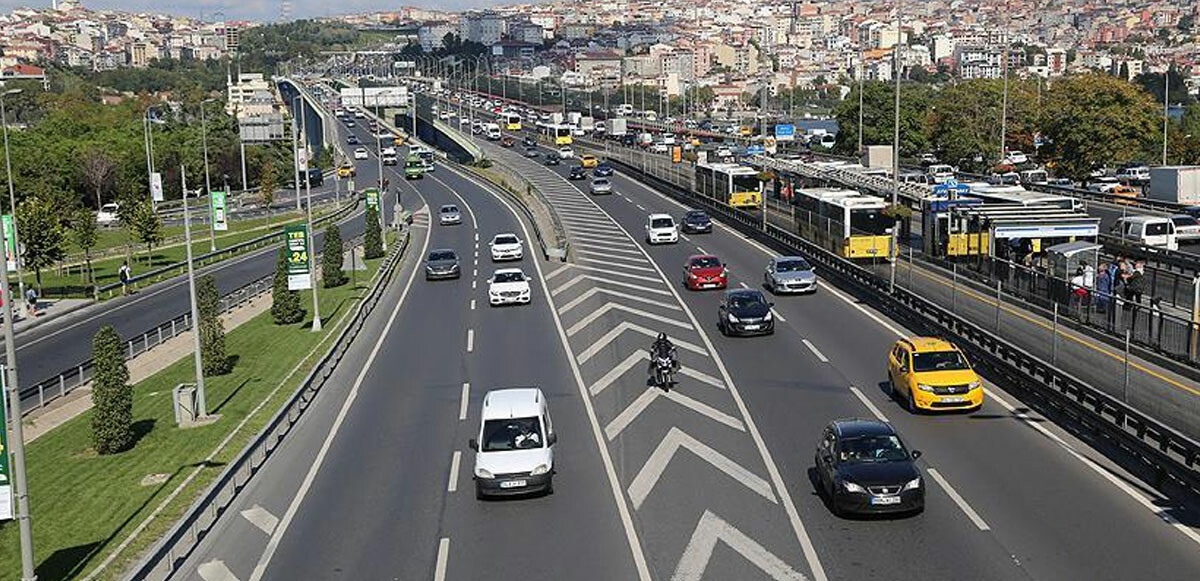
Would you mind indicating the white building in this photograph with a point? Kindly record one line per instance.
(431, 34)
(486, 28)
(250, 96)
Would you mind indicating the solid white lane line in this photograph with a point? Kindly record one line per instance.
(273, 545)
(866, 402)
(452, 485)
(815, 351)
(462, 404)
(470, 340)
(610, 471)
(443, 557)
(959, 500)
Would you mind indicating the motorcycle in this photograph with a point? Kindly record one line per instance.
(663, 371)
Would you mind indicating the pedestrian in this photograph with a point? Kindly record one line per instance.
(1135, 282)
(31, 302)
(125, 274)
(1104, 288)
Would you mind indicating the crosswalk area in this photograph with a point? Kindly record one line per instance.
(612, 301)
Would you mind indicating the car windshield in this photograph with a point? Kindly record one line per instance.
(600, 182)
(697, 216)
(877, 448)
(797, 265)
(449, 210)
(746, 300)
(1184, 221)
(509, 277)
(441, 255)
(506, 240)
(939, 361)
(661, 223)
(511, 434)
(706, 262)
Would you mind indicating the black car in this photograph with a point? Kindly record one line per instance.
(578, 172)
(552, 159)
(531, 152)
(745, 311)
(695, 222)
(603, 170)
(441, 264)
(629, 139)
(529, 142)
(864, 467)
(352, 139)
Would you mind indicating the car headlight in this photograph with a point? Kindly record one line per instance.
(540, 470)
(768, 317)
(913, 484)
(732, 319)
(852, 487)
(483, 473)
(923, 387)
(975, 384)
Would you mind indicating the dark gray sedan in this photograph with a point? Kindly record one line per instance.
(442, 264)
(790, 274)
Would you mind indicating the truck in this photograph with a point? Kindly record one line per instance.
(618, 127)
(877, 156)
(556, 118)
(1178, 183)
(588, 124)
(573, 118)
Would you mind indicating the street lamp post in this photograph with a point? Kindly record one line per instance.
(212, 227)
(12, 197)
(197, 357)
(1166, 110)
(895, 154)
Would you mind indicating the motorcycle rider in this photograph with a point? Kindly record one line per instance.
(664, 348)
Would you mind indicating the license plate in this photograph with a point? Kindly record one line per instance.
(752, 327)
(880, 500)
(513, 484)
(953, 399)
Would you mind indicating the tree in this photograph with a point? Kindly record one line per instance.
(965, 119)
(98, 170)
(285, 304)
(112, 396)
(85, 234)
(212, 330)
(1094, 120)
(331, 258)
(879, 117)
(41, 234)
(145, 226)
(268, 183)
(373, 237)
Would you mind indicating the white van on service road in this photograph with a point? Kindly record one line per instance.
(1156, 231)
(514, 452)
(493, 131)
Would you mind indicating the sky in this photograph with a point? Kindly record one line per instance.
(258, 10)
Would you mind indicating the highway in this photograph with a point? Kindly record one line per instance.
(48, 349)
(711, 480)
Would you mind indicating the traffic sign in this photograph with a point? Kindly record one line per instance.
(6, 497)
(785, 132)
(298, 267)
(755, 150)
(216, 202)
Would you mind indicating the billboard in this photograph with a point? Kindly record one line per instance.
(217, 204)
(156, 190)
(298, 268)
(785, 132)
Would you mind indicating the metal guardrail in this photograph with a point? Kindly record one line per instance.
(1167, 454)
(166, 555)
(158, 274)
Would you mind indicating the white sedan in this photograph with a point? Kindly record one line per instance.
(506, 247)
(566, 153)
(360, 153)
(508, 286)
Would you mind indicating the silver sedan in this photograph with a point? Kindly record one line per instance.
(790, 274)
(601, 186)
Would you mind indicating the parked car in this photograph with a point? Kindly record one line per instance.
(109, 214)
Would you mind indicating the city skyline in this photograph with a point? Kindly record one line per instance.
(255, 10)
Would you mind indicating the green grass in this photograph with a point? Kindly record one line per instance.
(118, 237)
(83, 505)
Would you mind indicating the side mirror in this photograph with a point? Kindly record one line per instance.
(491, 280)
(552, 439)
(772, 305)
(472, 444)
(528, 278)
(916, 454)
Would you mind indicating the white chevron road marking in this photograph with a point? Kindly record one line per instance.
(619, 423)
(675, 439)
(704, 539)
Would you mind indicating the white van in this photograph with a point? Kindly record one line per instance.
(1156, 231)
(514, 452)
(108, 214)
(940, 173)
(493, 131)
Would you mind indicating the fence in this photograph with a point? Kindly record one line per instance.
(1144, 445)
(163, 559)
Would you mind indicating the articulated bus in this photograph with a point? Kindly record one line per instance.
(512, 121)
(1010, 231)
(560, 133)
(845, 222)
(733, 184)
(994, 194)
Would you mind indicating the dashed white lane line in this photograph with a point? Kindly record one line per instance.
(685, 238)
(455, 460)
(470, 340)
(462, 404)
(443, 557)
(473, 283)
(475, 272)
(870, 406)
(641, 207)
(815, 351)
(472, 304)
(959, 500)
(701, 250)
(261, 518)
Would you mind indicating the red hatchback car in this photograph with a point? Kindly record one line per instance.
(705, 271)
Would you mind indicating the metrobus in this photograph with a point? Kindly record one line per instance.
(996, 194)
(845, 222)
(560, 133)
(512, 121)
(1010, 231)
(733, 184)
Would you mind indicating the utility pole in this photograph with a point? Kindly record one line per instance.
(12, 197)
(296, 146)
(212, 227)
(1166, 111)
(197, 358)
(16, 430)
(1004, 99)
(312, 261)
(895, 154)
(861, 73)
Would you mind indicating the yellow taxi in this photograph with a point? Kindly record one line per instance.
(346, 171)
(589, 161)
(928, 373)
